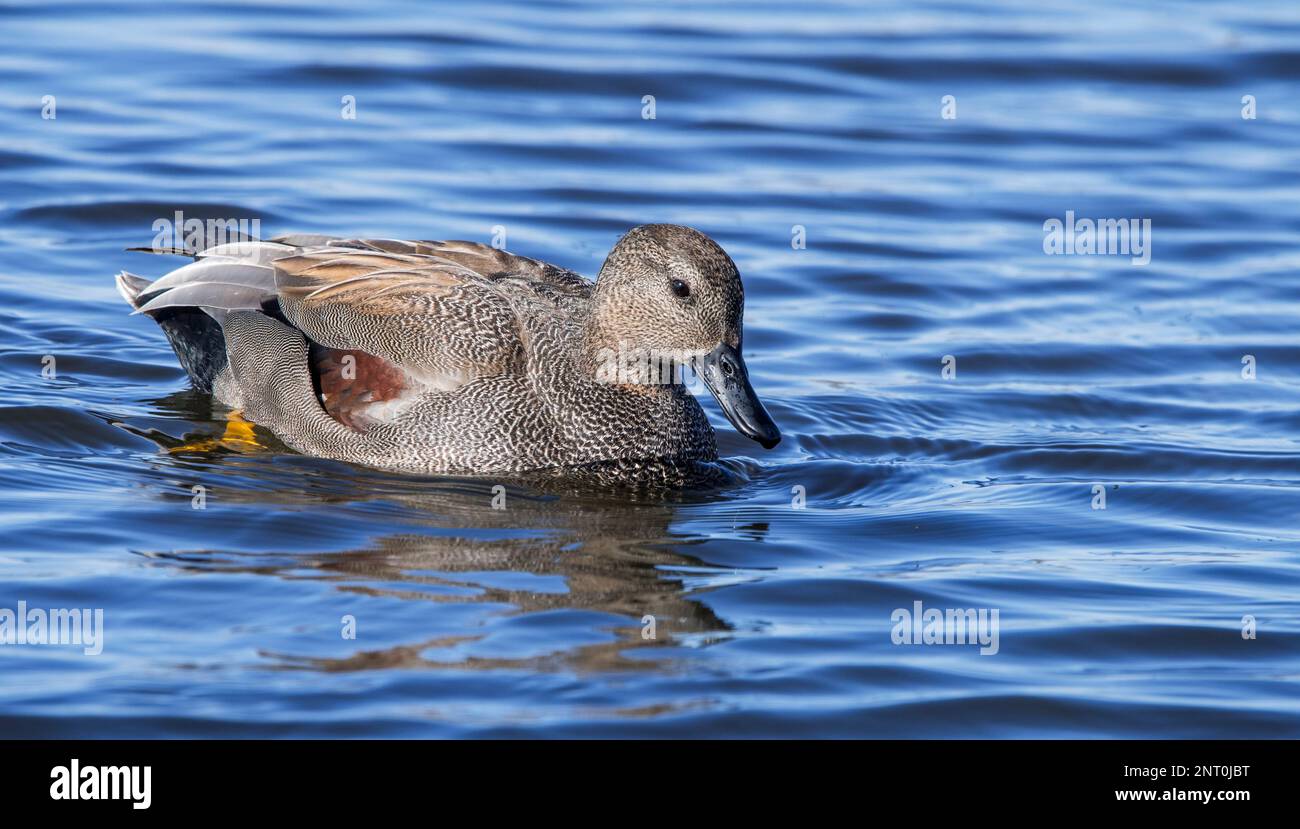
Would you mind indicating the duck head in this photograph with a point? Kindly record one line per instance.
(672, 292)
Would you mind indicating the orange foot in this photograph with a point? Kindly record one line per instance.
(237, 437)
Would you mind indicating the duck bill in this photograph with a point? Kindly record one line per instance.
(724, 372)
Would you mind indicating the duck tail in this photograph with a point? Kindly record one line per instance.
(190, 303)
(130, 287)
(194, 332)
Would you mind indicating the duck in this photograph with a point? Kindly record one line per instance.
(455, 357)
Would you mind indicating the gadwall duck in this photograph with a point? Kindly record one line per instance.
(456, 357)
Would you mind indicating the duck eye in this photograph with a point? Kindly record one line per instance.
(681, 289)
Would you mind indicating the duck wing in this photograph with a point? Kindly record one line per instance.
(450, 310)
(422, 313)
(541, 278)
(383, 320)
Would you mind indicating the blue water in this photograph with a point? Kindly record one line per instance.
(1075, 375)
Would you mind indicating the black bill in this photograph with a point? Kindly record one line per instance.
(724, 372)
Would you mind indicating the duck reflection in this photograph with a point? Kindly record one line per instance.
(528, 546)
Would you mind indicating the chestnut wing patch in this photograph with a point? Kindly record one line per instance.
(356, 388)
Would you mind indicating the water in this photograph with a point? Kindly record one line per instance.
(924, 239)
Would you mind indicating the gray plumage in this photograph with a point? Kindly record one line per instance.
(455, 357)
